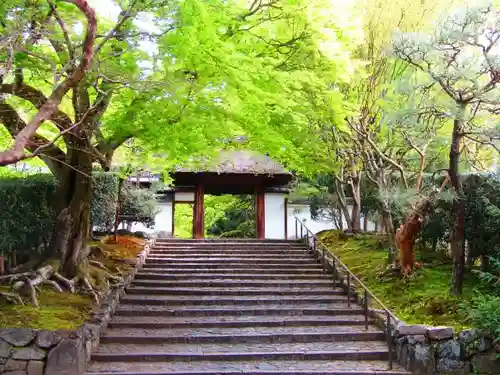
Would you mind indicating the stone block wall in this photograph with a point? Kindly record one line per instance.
(427, 350)
(25, 351)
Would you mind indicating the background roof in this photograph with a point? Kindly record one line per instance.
(238, 162)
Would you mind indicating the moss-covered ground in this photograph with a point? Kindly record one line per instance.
(424, 297)
(67, 310)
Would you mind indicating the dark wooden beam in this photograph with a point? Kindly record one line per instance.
(173, 219)
(286, 218)
(199, 213)
(260, 214)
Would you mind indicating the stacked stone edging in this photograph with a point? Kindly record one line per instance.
(427, 350)
(25, 351)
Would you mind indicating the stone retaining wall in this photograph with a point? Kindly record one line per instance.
(25, 351)
(427, 350)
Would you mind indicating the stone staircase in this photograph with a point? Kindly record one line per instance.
(238, 307)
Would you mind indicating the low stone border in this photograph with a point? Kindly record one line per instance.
(25, 351)
(428, 350)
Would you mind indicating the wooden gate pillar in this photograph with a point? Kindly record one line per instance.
(199, 212)
(260, 214)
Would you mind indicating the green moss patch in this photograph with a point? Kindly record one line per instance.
(422, 298)
(57, 311)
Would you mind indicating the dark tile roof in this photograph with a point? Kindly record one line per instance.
(238, 162)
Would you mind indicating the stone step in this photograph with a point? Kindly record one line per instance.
(228, 300)
(147, 322)
(224, 255)
(232, 259)
(155, 263)
(222, 240)
(264, 367)
(283, 248)
(347, 350)
(231, 283)
(254, 335)
(143, 275)
(235, 291)
(224, 310)
(246, 270)
(229, 243)
(235, 246)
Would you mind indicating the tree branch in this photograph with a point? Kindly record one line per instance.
(47, 110)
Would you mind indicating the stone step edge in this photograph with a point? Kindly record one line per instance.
(244, 271)
(366, 336)
(234, 292)
(222, 281)
(344, 310)
(228, 301)
(256, 372)
(237, 276)
(218, 324)
(309, 356)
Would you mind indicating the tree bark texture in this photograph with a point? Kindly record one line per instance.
(73, 204)
(457, 240)
(356, 204)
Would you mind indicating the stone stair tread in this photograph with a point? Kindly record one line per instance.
(234, 319)
(221, 271)
(257, 331)
(250, 282)
(236, 299)
(242, 290)
(235, 266)
(298, 309)
(256, 265)
(235, 277)
(213, 348)
(248, 367)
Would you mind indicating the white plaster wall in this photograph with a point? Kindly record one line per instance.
(184, 196)
(274, 215)
(163, 220)
(303, 212)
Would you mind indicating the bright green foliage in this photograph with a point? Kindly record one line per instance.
(237, 219)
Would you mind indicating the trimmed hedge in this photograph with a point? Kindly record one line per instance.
(27, 217)
(104, 197)
(26, 214)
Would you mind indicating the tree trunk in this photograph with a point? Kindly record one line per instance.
(345, 214)
(356, 204)
(118, 206)
(71, 232)
(457, 240)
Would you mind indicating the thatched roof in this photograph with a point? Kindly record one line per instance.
(238, 162)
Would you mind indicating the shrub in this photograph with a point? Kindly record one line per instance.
(26, 214)
(139, 204)
(484, 314)
(104, 197)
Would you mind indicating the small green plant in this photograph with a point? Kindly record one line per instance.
(484, 313)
